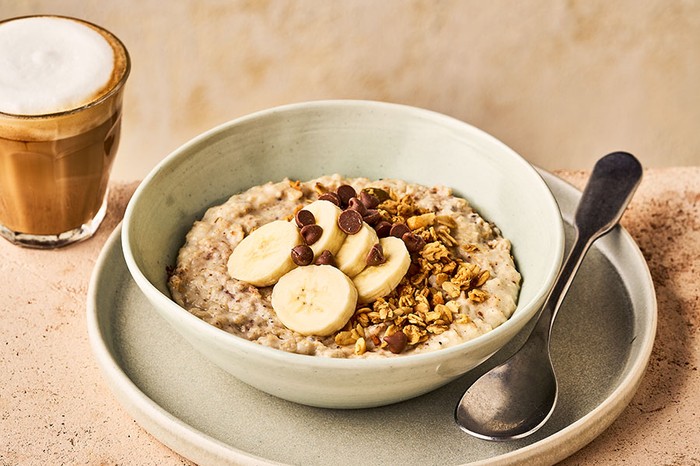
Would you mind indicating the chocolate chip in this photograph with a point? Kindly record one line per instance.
(346, 192)
(325, 258)
(372, 216)
(304, 217)
(413, 269)
(376, 255)
(396, 342)
(369, 201)
(302, 255)
(355, 204)
(399, 229)
(383, 228)
(413, 242)
(331, 197)
(311, 233)
(350, 221)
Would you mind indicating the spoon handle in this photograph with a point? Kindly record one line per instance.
(614, 179)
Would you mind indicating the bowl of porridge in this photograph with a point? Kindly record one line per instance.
(344, 254)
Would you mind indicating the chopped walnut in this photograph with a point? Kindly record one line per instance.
(420, 221)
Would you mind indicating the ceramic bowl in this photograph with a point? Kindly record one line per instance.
(353, 138)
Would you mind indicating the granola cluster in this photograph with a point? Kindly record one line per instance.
(426, 301)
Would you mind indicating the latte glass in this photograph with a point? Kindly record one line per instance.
(56, 153)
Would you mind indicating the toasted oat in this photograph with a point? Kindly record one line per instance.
(360, 346)
(362, 319)
(483, 277)
(446, 220)
(344, 338)
(434, 251)
(478, 296)
(451, 289)
(436, 329)
(320, 189)
(413, 333)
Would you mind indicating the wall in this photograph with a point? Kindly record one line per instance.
(562, 82)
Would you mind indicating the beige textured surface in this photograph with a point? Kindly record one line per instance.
(55, 408)
(562, 81)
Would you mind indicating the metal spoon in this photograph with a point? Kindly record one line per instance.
(517, 397)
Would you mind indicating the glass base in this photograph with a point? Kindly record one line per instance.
(83, 232)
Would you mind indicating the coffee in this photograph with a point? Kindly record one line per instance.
(61, 86)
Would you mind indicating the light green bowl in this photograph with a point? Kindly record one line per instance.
(353, 138)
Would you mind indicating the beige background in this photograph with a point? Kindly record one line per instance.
(562, 82)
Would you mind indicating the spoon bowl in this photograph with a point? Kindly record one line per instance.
(505, 411)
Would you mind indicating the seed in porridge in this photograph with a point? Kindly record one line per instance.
(399, 229)
(311, 233)
(376, 255)
(303, 217)
(346, 192)
(302, 255)
(325, 258)
(350, 221)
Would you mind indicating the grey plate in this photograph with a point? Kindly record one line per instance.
(601, 345)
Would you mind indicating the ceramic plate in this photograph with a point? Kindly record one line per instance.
(601, 344)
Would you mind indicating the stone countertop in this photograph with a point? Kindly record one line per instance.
(55, 407)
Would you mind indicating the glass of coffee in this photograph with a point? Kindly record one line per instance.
(61, 86)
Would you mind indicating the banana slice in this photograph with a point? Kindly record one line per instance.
(352, 255)
(326, 214)
(263, 256)
(376, 281)
(314, 299)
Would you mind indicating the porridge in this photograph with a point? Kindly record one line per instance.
(347, 268)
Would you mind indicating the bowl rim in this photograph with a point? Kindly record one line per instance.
(222, 338)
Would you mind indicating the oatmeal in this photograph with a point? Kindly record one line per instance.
(411, 268)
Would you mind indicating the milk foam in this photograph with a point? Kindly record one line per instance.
(50, 64)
